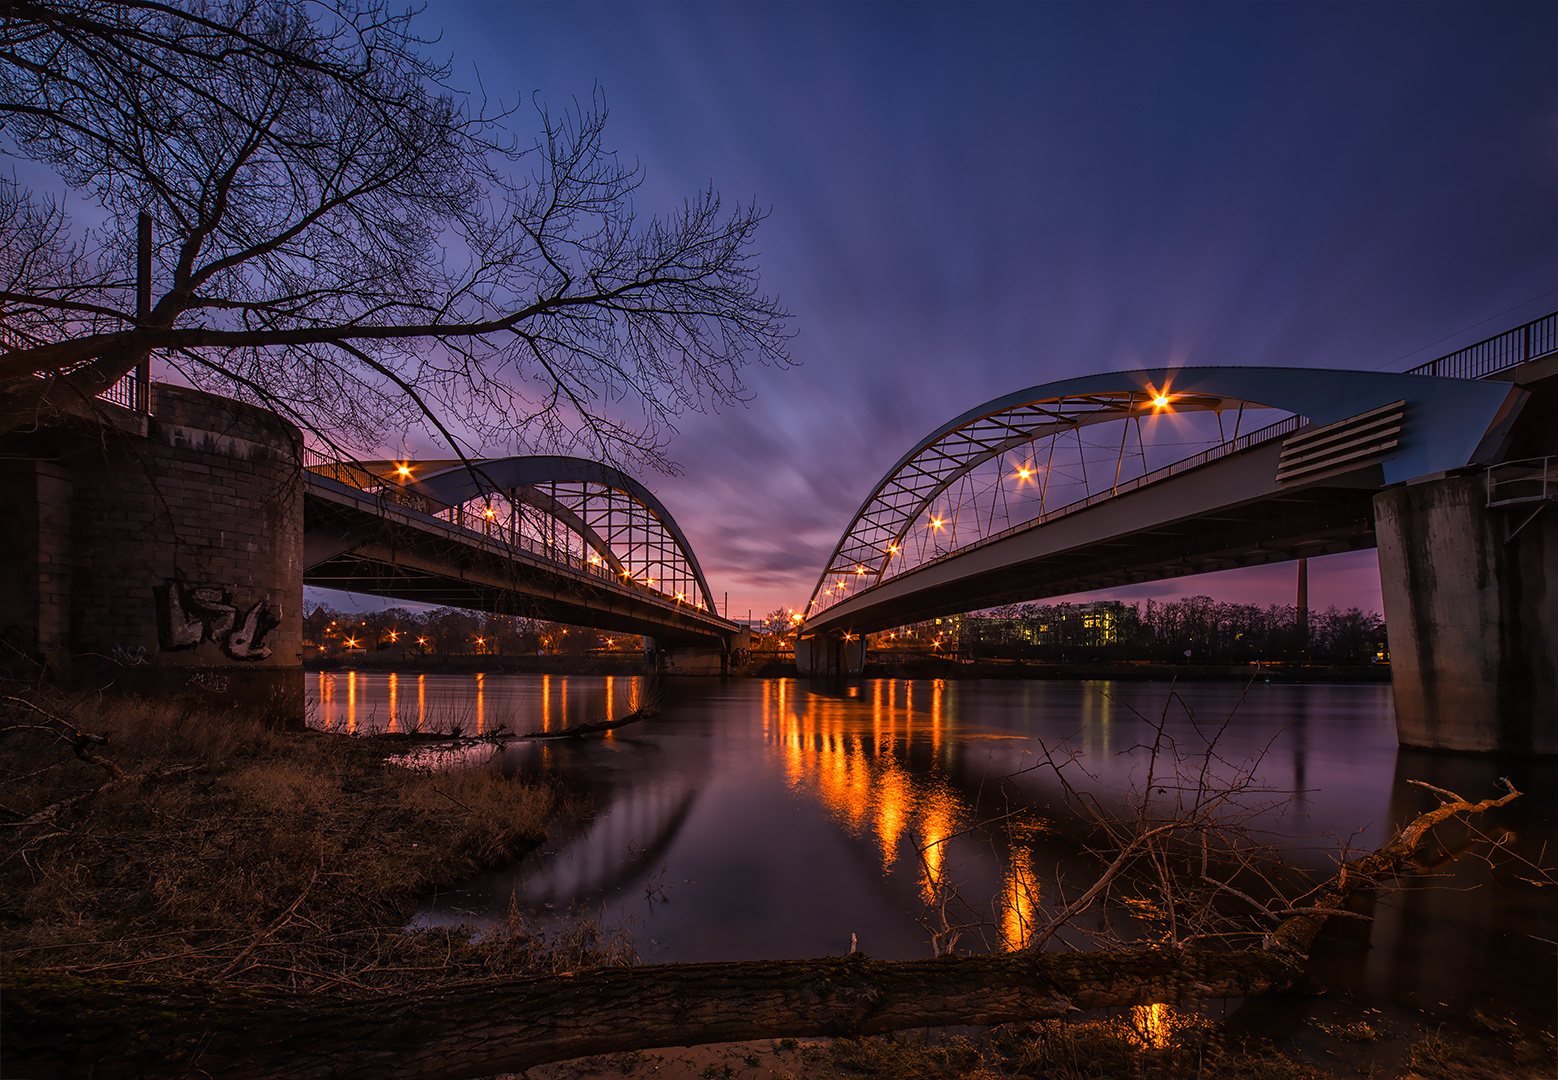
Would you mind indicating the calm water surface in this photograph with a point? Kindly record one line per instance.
(776, 818)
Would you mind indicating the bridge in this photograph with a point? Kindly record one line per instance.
(550, 537)
(1078, 484)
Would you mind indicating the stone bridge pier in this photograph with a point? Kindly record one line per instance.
(157, 554)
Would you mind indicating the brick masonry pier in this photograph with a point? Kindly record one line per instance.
(156, 554)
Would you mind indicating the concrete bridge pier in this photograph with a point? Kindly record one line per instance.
(830, 654)
(682, 659)
(1471, 602)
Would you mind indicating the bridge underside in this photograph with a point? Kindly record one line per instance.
(359, 543)
(1224, 515)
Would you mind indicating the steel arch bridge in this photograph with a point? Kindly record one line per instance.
(1008, 468)
(559, 537)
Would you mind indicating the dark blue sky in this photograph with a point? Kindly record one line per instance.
(970, 199)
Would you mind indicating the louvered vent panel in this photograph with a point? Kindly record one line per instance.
(1347, 444)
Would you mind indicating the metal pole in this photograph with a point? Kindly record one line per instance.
(1303, 604)
(143, 310)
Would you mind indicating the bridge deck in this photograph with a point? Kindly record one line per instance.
(361, 542)
(1218, 514)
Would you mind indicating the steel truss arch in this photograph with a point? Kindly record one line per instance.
(1450, 419)
(614, 516)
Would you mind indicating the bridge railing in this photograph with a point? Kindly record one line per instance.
(1195, 461)
(1534, 340)
(464, 519)
(1528, 480)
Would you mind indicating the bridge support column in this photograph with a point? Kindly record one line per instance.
(1472, 616)
(689, 659)
(159, 555)
(824, 654)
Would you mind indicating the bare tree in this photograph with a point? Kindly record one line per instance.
(347, 238)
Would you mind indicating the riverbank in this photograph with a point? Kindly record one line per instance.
(166, 841)
(936, 667)
(782, 666)
(208, 853)
(561, 664)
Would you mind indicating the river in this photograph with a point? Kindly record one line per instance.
(785, 818)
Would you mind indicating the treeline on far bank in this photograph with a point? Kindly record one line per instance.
(1195, 629)
(445, 633)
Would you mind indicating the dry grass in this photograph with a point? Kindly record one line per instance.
(1104, 1049)
(171, 842)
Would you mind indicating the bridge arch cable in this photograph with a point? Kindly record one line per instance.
(1010, 462)
(576, 512)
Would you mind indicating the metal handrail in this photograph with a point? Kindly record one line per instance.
(128, 393)
(1534, 340)
(1538, 474)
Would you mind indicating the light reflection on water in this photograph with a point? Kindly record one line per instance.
(773, 819)
(367, 703)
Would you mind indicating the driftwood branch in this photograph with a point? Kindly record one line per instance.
(63, 1026)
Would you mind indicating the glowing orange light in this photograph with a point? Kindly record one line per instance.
(351, 643)
(421, 641)
(1023, 474)
(489, 511)
(935, 523)
(860, 569)
(1160, 401)
(680, 596)
(402, 468)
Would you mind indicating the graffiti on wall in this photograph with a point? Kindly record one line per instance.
(190, 614)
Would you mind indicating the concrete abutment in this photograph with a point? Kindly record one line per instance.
(158, 555)
(1472, 614)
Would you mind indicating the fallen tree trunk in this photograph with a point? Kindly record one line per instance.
(69, 1027)
(58, 1025)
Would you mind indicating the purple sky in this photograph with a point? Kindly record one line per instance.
(971, 199)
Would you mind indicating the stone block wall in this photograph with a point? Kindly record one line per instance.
(168, 561)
